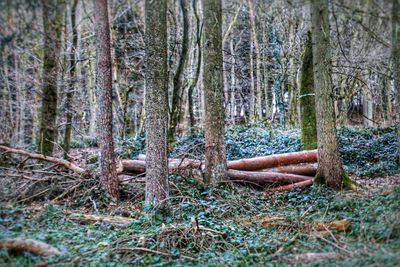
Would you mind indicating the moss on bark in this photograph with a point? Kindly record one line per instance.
(307, 99)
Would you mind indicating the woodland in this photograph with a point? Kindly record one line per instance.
(199, 133)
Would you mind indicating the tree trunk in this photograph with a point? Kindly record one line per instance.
(71, 69)
(52, 21)
(214, 92)
(156, 106)
(396, 64)
(330, 170)
(108, 172)
(307, 99)
(176, 105)
(258, 109)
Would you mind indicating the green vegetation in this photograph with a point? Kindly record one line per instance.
(251, 228)
(367, 152)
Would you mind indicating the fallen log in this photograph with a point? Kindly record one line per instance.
(176, 163)
(303, 169)
(266, 177)
(139, 166)
(291, 186)
(65, 163)
(30, 245)
(252, 164)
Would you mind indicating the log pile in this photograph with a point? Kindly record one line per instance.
(289, 170)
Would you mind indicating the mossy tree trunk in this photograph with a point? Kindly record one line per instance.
(156, 105)
(396, 64)
(177, 93)
(214, 92)
(52, 21)
(108, 173)
(307, 99)
(330, 170)
(72, 80)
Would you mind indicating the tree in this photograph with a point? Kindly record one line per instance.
(156, 104)
(213, 92)
(71, 70)
(396, 64)
(177, 93)
(307, 99)
(330, 169)
(108, 172)
(52, 21)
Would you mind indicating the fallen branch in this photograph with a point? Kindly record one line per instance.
(88, 218)
(30, 245)
(66, 164)
(266, 177)
(252, 164)
(291, 186)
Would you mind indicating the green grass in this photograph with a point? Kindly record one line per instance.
(373, 240)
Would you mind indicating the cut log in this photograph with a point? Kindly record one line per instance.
(303, 169)
(265, 177)
(30, 245)
(139, 166)
(176, 163)
(291, 186)
(132, 166)
(66, 164)
(252, 164)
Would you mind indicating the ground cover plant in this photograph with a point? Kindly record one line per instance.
(230, 224)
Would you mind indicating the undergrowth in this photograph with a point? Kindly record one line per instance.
(364, 152)
(249, 228)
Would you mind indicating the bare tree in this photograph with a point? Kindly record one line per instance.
(108, 173)
(52, 21)
(214, 92)
(307, 99)
(72, 74)
(330, 169)
(156, 104)
(396, 64)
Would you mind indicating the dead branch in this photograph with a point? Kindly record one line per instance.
(66, 164)
(88, 218)
(30, 245)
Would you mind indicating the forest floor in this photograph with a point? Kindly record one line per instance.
(237, 225)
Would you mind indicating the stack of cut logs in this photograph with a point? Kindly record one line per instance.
(289, 170)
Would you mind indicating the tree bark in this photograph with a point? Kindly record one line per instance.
(156, 106)
(396, 65)
(265, 177)
(72, 81)
(270, 161)
(307, 99)
(292, 186)
(330, 170)
(214, 92)
(108, 172)
(52, 21)
(177, 93)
